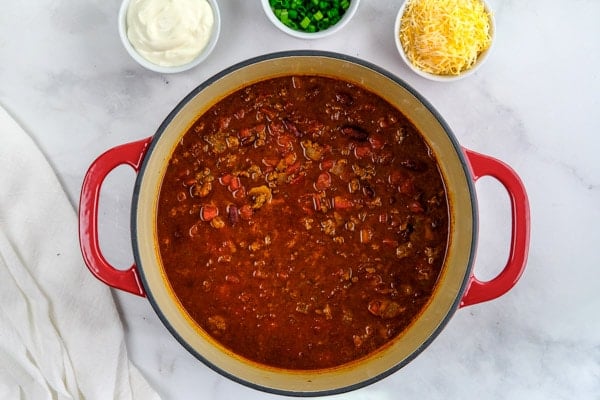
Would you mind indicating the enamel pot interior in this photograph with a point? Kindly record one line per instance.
(455, 272)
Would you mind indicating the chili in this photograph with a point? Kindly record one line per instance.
(302, 222)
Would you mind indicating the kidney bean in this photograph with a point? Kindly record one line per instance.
(362, 151)
(368, 191)
(232, 214)
(416, 207)
(246, 141)
(377, 141)
(355, 133)
(291, 127)
(413, 165)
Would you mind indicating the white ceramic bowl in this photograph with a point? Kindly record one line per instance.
(216, 30)
(443, 78)
(308, 35)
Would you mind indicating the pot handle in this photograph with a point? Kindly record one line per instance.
(478, 291)
(131, 154)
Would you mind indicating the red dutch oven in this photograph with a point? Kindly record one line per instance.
(457, 286)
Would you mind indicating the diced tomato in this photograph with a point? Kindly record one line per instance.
(235, 184)
(277, 129)
(239, 194)
(365, 235)
(306, 203)
(323, 181)
(297, 180)
(246, 212)
(326, 165)
(232, 182)
(407, 187)
(342, 203)
(270, 161)
(402, 181)
(225, 180)
(245, 133)
(208, 212)
(290, 158)
(270, 113)
(285, 141)
(294, 168)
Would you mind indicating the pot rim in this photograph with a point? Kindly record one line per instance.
(306, 53)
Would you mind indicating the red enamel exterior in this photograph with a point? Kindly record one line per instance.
(478, 291)
(130, 154)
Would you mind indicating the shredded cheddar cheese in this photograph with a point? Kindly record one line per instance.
(444, 37)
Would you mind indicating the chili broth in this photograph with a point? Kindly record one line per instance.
(302, 222)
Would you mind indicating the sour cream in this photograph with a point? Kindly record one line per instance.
(169, 33)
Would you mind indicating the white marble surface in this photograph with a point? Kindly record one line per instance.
(535, 104)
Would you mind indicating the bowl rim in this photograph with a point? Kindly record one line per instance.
(311, 35)
(210, 45)
(444, 78)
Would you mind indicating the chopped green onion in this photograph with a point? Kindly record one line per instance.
(309, 15)
(323, 24)
(305, 22)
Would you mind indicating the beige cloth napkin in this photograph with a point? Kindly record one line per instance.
(60, 334)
